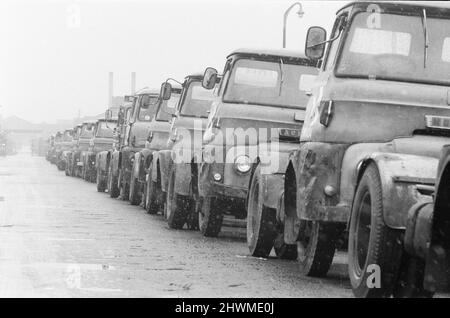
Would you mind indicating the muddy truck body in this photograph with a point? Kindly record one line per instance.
(82, 147)
(110, 159)
(141, 187)
(173, 171)
(143, 109)
(69, 154)
(262, 95)
(371, 140)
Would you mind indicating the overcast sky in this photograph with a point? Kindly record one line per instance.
(54, 62)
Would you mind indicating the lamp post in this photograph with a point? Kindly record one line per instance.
(300, 14)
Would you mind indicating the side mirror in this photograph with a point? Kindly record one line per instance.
(315, 42)
(166, 91)
(209, 78)
(108, 114)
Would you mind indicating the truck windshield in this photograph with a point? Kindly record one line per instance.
(146, 114)
(274, 83)
(105, 130)
(197, 101)
(87, 131)
(168, 108)
(395, 49)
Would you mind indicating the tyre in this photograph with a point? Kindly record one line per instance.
(210, 217)
(177, 205)
(101, 186)
(372, 246)
(124, 187)
(261, 221)
(316, 247)
(113, 188)
(152, 203)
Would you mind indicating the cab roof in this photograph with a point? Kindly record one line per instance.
(195, 75)
(92, 121)
(268, 52)
(146, 90)
(404, 6)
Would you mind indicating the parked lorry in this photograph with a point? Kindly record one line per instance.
(102, 139)
(136, 131)
(86, 133)
(110, 159)
(63, 142)
(262, 95)
(370, 143)
(51, 142)
(69, 154)
(141, 186)
(173, 170)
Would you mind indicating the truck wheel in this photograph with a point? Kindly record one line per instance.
(261, 221)
(60, 165)
(283, 250)
(210, 217)
(152, 206)
(411, 279)
(316, 247)
(124, 187)
(134, 196)
(100, 182)
(177, 205)
(374, 250)
(113, 188)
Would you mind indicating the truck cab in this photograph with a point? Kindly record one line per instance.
(143, 109)
(110, 159)
(174, 171)
(64, 146)
(69, 155)
(158, 133)
(101, 141)
(374, 128)
(262, 94)
(83, 142)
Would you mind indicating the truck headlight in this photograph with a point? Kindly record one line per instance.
(243, 164)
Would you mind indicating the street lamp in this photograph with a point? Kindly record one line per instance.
(300, 14)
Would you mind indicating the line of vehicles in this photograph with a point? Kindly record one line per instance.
(345, 147)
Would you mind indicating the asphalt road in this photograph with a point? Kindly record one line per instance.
(60, 238)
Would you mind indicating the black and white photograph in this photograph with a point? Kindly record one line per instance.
(224, 155)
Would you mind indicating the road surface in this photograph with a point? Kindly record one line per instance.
(60, 238)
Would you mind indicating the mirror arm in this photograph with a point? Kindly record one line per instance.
(325, 42)
(172, 79)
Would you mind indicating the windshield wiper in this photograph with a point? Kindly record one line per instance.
(281, 76)
(425, 33)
